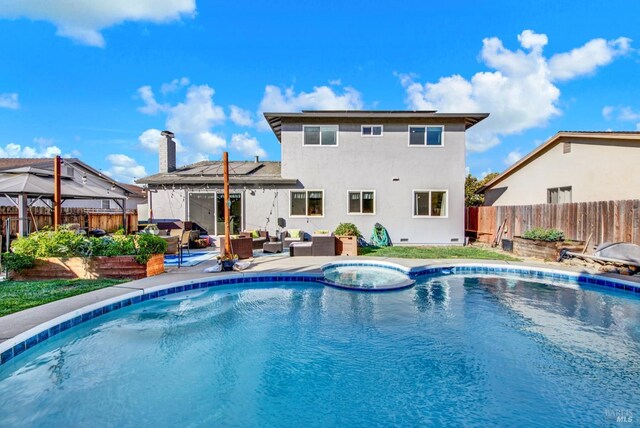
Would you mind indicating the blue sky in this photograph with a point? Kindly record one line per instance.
(98, 80)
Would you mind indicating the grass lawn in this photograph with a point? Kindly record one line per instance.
(19, 295)
(435, 253)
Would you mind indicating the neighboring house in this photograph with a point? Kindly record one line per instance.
(403, 169)
(81, 173)
(572, 167)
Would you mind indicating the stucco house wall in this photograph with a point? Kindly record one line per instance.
(386, 165)
(596, 170)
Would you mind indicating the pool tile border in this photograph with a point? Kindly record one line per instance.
(27, 340)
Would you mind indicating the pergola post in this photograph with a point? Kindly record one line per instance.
(57, 194)
(23, 213)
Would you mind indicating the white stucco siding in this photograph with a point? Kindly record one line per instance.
(596, 171)
(388, 166)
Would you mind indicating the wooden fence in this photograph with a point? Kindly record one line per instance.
(604, 221)
(40, 217)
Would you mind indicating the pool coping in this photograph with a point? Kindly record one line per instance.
(29, 338)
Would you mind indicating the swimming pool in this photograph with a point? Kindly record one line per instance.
(473, 350)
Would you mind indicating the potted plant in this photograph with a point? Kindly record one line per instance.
(227, 261)
(347, 235)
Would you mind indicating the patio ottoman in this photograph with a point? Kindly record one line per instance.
(272, 247)
(300, 249)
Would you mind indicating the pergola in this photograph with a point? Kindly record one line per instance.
(25, 186)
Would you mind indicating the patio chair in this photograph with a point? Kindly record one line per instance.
(288, 240)
(243, 247)
(185, 241)
(257, 242)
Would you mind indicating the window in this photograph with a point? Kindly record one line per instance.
(106, 204)
(371, 131)
(362, 202)
(325, 135)
(559, 195)
(307, 203)
(426, 136)
(430, 203)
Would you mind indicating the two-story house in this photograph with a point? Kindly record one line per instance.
(402, 169)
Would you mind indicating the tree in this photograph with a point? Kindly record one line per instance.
(471, 186)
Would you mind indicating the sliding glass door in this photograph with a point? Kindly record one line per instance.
(235, 212)
(202, 211)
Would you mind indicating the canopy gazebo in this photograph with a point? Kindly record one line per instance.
(24, 186)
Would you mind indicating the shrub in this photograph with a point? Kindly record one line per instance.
(541, 234)
(17, 262)
(65, 243)
(347, 229)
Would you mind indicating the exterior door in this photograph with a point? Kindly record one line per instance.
(202, 211)
(235, 213)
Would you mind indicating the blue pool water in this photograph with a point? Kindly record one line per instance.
(462, 351)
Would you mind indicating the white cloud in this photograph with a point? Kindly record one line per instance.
(192, 121)
(124, 168)
(628, 114)
(174, 85)
(622, 113)
(9, 101)
(42, 141)
(151, 106)
(607, 111)
(150, 140)
(484, 173)
(321, 98)
(240, 116)
(247, 145)
(276, 99)
(587, 58)
(521, 93)
(83, 21)
(513, 157)
(13, 150)
(335, 82)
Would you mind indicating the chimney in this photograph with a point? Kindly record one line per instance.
(167, 152)
(257, 159)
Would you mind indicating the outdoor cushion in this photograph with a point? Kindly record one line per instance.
(294, 233)
(255, 234)
(321, 232)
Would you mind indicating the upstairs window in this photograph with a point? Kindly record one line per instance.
(324, 135)
(307, 203)
(371, 131)
(559, 195)
(430, 136)
(362, 202)
(430, 203)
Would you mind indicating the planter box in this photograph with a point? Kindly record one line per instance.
(346, 245)
(543, 249)
(118, 267)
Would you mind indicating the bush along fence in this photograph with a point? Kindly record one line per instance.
(66, 254)
(41, 217)
(604, 221)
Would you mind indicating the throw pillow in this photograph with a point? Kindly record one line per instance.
(294, 233)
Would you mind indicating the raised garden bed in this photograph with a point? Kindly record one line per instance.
(543, 249)
(100, 267)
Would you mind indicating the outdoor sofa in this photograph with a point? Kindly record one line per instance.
(320, 245)
(257, 241)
